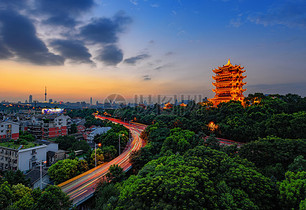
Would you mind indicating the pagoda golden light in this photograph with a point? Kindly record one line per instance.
(228, 84)
(168, 106)
(212, 126)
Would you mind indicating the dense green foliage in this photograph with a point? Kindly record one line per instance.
(110, 140)
(115, 174)
(273, 155)
(21, 197)
(67, 169)
(14, 177)
(277, 115)
(181, 168)
(293, 189)
(70, 143)
(202, 178)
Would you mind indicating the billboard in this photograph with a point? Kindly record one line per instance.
(52, 111)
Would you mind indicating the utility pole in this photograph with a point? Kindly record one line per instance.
(99, 144)
(41, 175)
(119, 142)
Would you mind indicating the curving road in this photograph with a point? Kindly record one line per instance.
(82, 187)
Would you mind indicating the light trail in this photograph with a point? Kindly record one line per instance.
(82, 187)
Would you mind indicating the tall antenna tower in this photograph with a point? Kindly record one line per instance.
(45, 93)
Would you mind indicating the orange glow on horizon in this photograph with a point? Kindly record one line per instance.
(67, 83)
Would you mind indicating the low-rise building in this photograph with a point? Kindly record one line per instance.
(50, 126)
(24, 158)
(9, 130)
(96, 131)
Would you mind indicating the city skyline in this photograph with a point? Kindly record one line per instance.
(144, 47)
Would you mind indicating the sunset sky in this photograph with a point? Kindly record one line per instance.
(93, 48)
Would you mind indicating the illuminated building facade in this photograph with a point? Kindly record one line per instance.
(228, 83)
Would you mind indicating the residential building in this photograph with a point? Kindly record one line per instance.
(49, 126)
(96, 131)
(9, 130)
(23, 158)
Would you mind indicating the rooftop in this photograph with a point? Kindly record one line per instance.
(12, 145)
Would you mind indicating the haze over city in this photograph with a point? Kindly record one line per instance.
(82, 49)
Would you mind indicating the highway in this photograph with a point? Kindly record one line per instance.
(82, 187)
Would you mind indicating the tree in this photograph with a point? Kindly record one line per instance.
(20, 191)
(6, 195)
(82, 166)
(201, 178)
(213, 143)
(24, 203)
(293, 189)
(115, 174)
(15, 177)
(109, 152)
(80, 145)
(96, 156)
(66, 169)
(106, 195)
(178, 141)
(53, 198)
(273, 155)
(141, 157)
(299, 164)
(73, 128)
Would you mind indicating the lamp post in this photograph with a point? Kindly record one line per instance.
(41, 182)
(119, 142)
(129, 130)
(99, 144)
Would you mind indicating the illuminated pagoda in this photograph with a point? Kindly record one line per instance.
(228, 83)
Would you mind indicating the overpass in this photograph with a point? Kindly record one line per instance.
(82, 187)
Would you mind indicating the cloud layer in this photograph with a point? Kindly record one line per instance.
(135, 59)
(20, 40)
(291, 13)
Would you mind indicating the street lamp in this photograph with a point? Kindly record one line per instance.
(99, 145)
(41, 182)
(119, 141)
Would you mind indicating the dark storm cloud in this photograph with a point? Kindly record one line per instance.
(110, 55)
(19, 39)
(105, 30)
(135, 59)
(290, 13)
(4, 52)
(63, 12)
(19, 36)
(72, 49)
(146, 77)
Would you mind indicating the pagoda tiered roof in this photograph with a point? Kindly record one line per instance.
(228, 83)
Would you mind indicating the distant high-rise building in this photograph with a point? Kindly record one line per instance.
(136, 99)
(50, 100)
(150, 99)
(45, 93)
(90, 100)
(30, 99)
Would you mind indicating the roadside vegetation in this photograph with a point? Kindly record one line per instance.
(180, 167)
